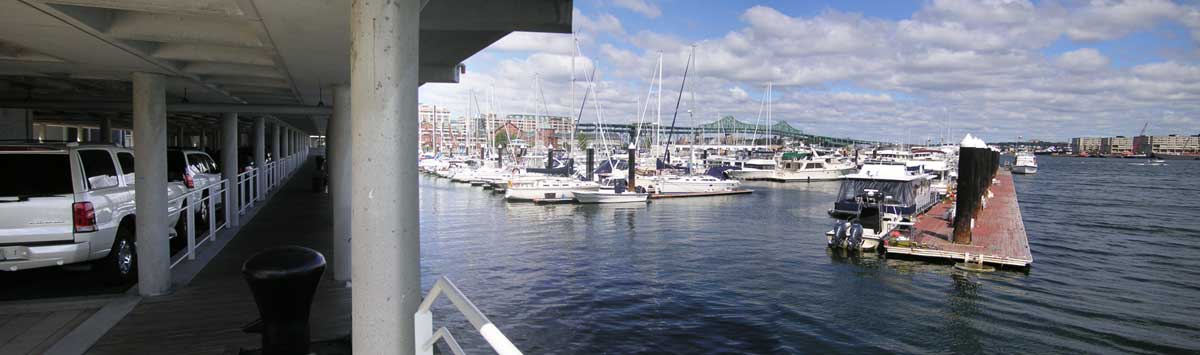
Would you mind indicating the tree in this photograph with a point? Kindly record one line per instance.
(581, 140)
(502, 138)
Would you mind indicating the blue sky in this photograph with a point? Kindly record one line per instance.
(868, 69)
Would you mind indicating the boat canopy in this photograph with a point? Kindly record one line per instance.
(795, 155)
(904, 192)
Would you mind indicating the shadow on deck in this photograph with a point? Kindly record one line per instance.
(206, 316)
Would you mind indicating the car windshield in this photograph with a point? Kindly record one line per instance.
(40, 175)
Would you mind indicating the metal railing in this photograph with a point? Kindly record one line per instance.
(248, 189)
(195, 199)
(426, 337)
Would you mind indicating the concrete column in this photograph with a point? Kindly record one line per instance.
(275, 141)
(337, 163)
(384, 224)
(106, 129)
(260, 152)
(150, 183)
(229, 163)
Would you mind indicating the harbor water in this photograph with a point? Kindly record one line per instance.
(1115, 270)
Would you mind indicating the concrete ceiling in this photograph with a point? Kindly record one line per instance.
(229, 51)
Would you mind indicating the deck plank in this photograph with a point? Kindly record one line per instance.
(38, 332)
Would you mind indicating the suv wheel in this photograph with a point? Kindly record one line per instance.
(120, 266)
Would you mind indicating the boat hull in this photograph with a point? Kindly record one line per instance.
(1024, 169)
(811, 175)
(751, 174)
(610, 197)
(675, 187)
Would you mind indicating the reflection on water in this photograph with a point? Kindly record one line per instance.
(1115, 270)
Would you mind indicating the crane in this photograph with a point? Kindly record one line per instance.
(1144, 128)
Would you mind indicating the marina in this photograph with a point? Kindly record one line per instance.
(418, 177)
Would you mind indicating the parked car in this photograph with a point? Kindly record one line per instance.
(69, 203)
(196, 170)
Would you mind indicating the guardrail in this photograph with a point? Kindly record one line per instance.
(195, 199)
(426, 337)
(251, 186)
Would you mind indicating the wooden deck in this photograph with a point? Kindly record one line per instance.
(32, 327)
(206, 317)
(998, 238)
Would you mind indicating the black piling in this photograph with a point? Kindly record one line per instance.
(631, 176)
(591, 163)
(976, 169)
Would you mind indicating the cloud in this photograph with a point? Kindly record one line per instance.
(639, 6)
(980, 65)
(535, 42)
(1082, 60)
(601, 23)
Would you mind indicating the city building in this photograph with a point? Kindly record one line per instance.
(1175, 144)
(442, 131)
(1085, 145)
(1116, 145)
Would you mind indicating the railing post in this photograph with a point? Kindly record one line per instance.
(229, 203)
(212, 212)
(423, 331)
(191, 226)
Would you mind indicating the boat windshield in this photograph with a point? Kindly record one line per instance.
(901, 191)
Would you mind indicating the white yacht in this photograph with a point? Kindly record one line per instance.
(548, 188)
(878, 200)
(1026, 164)
(610, 196)
(809, 166)
(754, 169)
(673, 184)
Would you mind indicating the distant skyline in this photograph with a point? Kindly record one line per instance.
(890, 70)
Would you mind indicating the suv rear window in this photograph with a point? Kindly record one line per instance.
(98, 169)
(39, 174)
(175, 165)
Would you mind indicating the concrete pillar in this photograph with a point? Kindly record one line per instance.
(150, 156)
(275, 141)
(384, 221)
(106, 129)
(260, 152)
(229, 163)
(338, 166)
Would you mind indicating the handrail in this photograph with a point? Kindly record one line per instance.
(423, 320)
(215, 190)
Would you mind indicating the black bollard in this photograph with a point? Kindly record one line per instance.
(283, 280)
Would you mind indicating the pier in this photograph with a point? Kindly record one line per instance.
(998, 237)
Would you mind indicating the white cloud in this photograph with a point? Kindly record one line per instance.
(535, 42)
(602, 23)
(1082, 60)
(639, 6)
(981, 63)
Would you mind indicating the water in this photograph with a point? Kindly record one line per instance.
(1116, 270)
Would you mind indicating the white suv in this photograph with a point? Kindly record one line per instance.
(199, 172)
(64, 204)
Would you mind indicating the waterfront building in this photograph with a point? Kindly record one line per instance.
(1116, 145)
(1085, 144)
(1175, 144)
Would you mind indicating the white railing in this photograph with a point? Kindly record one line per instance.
(248, 191)
(426, 337)
(195, 199)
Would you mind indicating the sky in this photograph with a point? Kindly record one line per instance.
(895, 70)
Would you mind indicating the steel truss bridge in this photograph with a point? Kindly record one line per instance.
(725, 125)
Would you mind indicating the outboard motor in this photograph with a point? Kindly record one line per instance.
(854, 239)
(839, 234)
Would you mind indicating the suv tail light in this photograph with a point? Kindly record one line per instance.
(187, 180)
(84, 216)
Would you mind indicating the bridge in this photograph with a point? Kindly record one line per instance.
(725, 125)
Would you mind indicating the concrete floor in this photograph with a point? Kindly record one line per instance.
(206, 317)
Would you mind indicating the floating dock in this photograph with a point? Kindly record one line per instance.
(702, 194)
(998, 237)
